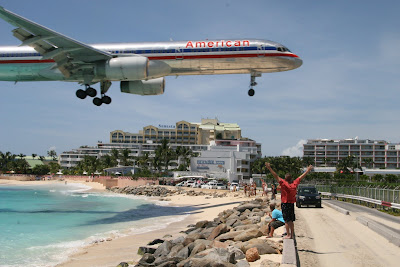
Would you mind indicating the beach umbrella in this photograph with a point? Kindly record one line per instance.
(85, 173)
(118, 173)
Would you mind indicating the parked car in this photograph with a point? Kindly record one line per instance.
(180, 184)
(210, 185)
(190, 183)
(233, 186)
(221, 186)
(308, 195)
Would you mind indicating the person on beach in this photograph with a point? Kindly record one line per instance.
(273, 190)
(288, 197)
(277, 220)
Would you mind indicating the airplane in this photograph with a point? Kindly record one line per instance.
(141, 68)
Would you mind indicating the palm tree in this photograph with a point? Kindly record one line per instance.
(52, 153)
(184, 154)
(125, 157)
(21, 156)
(165, 153)
(5, 160)
(347, 165)
(34, 156)
(115, 155)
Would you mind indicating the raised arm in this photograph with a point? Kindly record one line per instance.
(272, 171)
(309, 168)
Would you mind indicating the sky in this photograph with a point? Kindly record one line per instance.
(348, 84)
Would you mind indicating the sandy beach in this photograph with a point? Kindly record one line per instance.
(124, 249)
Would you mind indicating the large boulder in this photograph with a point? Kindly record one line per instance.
(248, 234)
(174, 250)
(147, 259)
(163, 249)
(249, 206)
(262, 246)
(220, 229)
(228, 236)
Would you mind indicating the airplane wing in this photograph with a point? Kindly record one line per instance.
(73, 58)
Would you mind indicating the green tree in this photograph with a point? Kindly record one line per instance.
(5, 161)
(21, 155)
(183, 155)
(41, 169)
(34, 156)
(368, 162)
(54, 167)
(165, 153)
(53, 154)
(115, 156)
(347, 165)
(125, 157)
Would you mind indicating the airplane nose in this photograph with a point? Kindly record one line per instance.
(297, 62)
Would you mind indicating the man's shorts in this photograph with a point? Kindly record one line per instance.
(276, 224)
(288, 212)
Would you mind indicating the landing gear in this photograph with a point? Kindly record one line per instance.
(253, 82)
(89, 91)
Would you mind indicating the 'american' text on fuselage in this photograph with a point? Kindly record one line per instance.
(221, 43)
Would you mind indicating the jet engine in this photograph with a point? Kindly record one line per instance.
(132, 68)
(144, 87)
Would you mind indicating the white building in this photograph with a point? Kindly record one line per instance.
(370, 153)
(228, 159)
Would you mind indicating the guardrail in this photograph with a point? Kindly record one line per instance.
(383, 194)
(364, 199)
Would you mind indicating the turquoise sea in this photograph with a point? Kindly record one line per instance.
(44, 225)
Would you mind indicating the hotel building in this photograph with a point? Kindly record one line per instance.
(370, 153)
(182, 133)
(212, 140)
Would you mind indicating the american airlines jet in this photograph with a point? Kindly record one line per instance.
(46, 55)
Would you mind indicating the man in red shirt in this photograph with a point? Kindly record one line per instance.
(288, 197)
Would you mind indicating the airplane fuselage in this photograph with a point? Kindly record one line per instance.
(207, 57)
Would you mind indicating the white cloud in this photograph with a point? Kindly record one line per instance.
(296, 150)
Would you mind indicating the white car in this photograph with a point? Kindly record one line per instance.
(180, 184)
(221, 186)
(190, 183)
(233, 186)
(210, 185)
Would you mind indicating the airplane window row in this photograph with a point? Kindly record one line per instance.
(188, 50)
(20, 55)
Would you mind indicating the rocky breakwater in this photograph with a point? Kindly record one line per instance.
(164, 191)
(233, 238)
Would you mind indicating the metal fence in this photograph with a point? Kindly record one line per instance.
(383, 194)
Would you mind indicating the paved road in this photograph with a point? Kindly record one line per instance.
(326, 237)
(389, 221)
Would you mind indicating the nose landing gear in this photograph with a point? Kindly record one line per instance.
(253, 82)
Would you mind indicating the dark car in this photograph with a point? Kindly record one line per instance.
(308, 195)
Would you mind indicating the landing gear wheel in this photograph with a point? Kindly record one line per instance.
(106, 99)
(81, 94)
(91, 92)
(97, 101)
(251, 92)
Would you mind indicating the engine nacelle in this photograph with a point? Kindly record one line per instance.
(126, 68)
(149, 87)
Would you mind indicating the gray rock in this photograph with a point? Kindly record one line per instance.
(201, 224)
(231, 222)
(183, 253)
(246, 227)
(220, 229)
(238, 252)
(163, 249)
(178, 240)
(262, 246)
(207, 231)
(242, 263)
(198, 248)
(249, 206)
(248, 234)
(147, 259)
(174, 250)
(255, 219)
(228, 236)
(143, 250)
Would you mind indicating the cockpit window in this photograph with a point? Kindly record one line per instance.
(283, 49)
